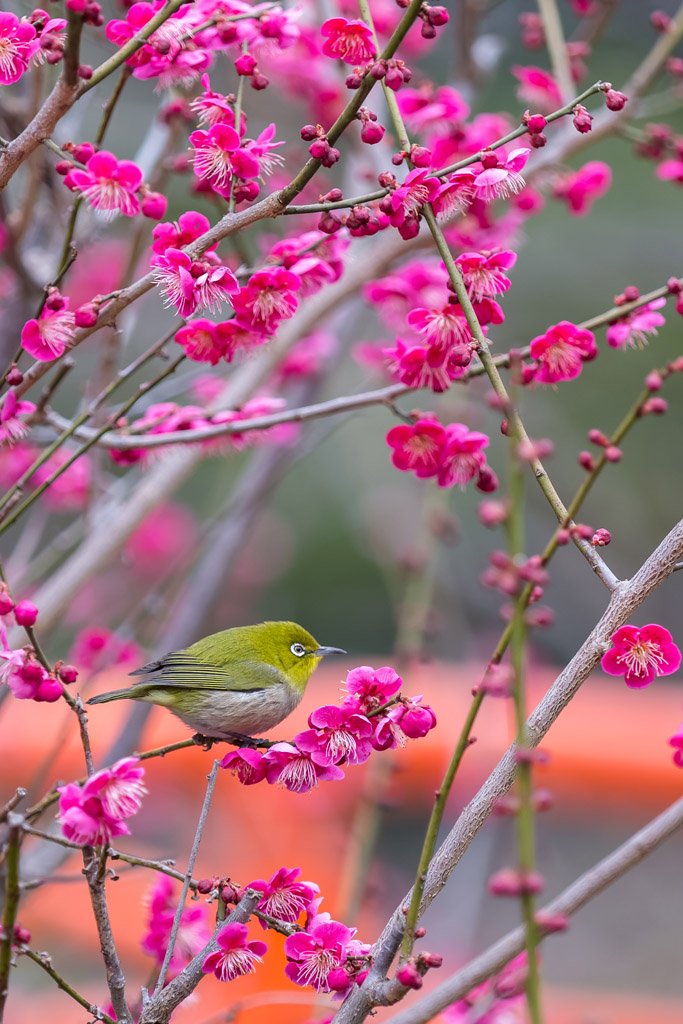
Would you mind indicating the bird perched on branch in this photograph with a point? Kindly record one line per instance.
(239, 682)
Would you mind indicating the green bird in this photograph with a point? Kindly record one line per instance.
(239, 682)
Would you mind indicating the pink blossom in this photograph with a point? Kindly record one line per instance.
(283, 896)
(26, 677)
(670, 170)
(97, 648)
(455, 194)
(71, 489)
(236, 956)
(213, 107)
(322, 948)
(188, 228)
(581, 188)
(500, 177)
(164, 540)
(429, 109)
(416, 283)
(413, 718)
(193, 284)
(109, 184)
(483, 272)
(52, 333)
(200, 341)
(418, 188)
(295, 769)
(120, 788)
(83, 818)
(307, 357)
(538, 88)
(193, 933)
(676, 741)
(561, 352)
(445, 327)
(462, 456)
(430, 366)
(337, 734)
(634, 328)
(350, 41)
(219, 157)
(248, 765)
(371, 686)
(640, 654)
(11, 427)
(417, 447)
(267, 299)
(315, 264)
(17, 46)
(262, 148)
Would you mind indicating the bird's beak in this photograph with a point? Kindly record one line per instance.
(322, 652)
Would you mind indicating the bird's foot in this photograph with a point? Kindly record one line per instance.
(205, 742)
(240, 740)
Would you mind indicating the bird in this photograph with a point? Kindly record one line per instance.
(239, 682)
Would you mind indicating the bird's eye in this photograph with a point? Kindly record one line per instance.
(298, 649)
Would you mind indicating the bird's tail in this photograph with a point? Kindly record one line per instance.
(104, 698)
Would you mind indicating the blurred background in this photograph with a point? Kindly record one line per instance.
(326, 532)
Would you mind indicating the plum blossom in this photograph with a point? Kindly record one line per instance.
(261, 148)
(500, 178)
(581, 188)
(26, 677)
(455, 194)
(248, 765)
(417, 447)
(84, 820)
(483, 273)
(200, 341)
(177, 234)
(416, 283)
(432, 110)
(219, 157)
(372, 687)
(561, 352)
(51, 334)
(418, 188)
(235, 956)
(337, 734)
(676, 741)
(634, 328)
(640, 654)
(427, 366)
(350, 41)
(120, 789)
(193, 284)
(538, 88)
(445, 327)
(414, 719)
(284, 897)
(17, 46)
(11, 427)
(295, 769)
(267, 299)
(213, 107)
(193, 933)
(324, 947)
(463, 457)
(110, 185)
(71, 489)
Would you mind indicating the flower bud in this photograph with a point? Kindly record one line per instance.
(86, 315)
(372, 132)
(612, 453)
(421, 156)
(85, 71)
(409, 975)
(615, 100)
(597, 437)
(153, 205)
(14, 376)
(67, 673)
(25, 613)
(245, 64)
(583, 121)
(601, 538)
(586, 460)
(551, 922)
(537, 141)
(6, 602)
(311, 131)
(535, 123)
(660, 21)
(654, 406)
(542, 800)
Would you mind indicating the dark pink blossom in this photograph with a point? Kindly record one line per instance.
(193, 284)
(267, 299)
(418, 188)
(418, 283)
(120, 789)
(71, 489)
(676, 741)
(219, 157)
(11, 427)
(248, 765)
(97, 648)
(110, 185)
(50, 335)
(350, 41)
(284, 897)
(417, 447)
(483, 273)
(427, 366)
(634, 328)
(413, 718)
(177, 234)
(262, 150)
(371, 686)
(500, 177)
(446, 327)
(324, 947)
(213, 107)
(462, 457)
(314, 264)
(561, 352)
(201, 342)
(538, 88)
(455, 194)
(640, 654)
(337, 734)
(235, 956)
(193, 933)
(17, 46)
(432, 110)
(26, 677)
(581, 188)
(83, 818)
(296, 770)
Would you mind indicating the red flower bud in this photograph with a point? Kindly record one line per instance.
(25, 613)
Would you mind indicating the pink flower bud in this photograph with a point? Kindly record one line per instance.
(258, 81)
(583, 122)
(563, 537)
(537, 141)
(583, 531)
(506, 882)
(542, 800)
(85, 71)
(6, 602)
(25, 613)
(153, 205)
(311, 131)
(601, 538)
(206, 885)
(615, 100)
(536, 123)
(612, 453)
(551, 922)
(438, 16)
(409, 975)
(14, 376)
(492, 513)
(67, 673)
(586, 460)
(421, 156)
(245, 64)
(49, 691)
(354, 80)
(420, 933)
(429, 959)
(487, 481)
(660, 21)
(507, 805)
(597, 437)
(372, 132)
(86, 315)
(654, 406)
(63, 167)
(338, 980)
(22, 936)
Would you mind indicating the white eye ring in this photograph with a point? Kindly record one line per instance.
(298, 649)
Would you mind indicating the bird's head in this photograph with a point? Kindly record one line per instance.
(293, 650)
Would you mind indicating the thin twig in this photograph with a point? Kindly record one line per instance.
(43, 960)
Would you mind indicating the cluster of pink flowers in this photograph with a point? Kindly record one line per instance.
(193, 934)
(25, 676)
(112, 186)
(50, 335)
(453, 454)
(560, 353)
(641, 654)
(93, 813)
(338, 734)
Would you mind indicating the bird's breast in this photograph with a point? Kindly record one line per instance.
(221, 712)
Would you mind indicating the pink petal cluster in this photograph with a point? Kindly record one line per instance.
(92, 814)
(676, 741)
(71, 489)
(235, 955)
(561, 352)
(500, 177)
(180, 233)
(538, 88)
(634, 328)
(581, 188)
(427, 366)
(52, 333)
(318, 956)
(430, 109)
(403, 204)
(193, 934)
(12, 428)
(417, 283)
(96, 648)
(17, 46)
(484, 273)
(268, 298)
(350, 41)
(284, 896)
(641, 654)
(26, 677)
(191, 284)
(219, 158)
(453, 454)
(315, 258)
(110, 185)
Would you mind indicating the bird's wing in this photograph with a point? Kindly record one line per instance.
(184, 672)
